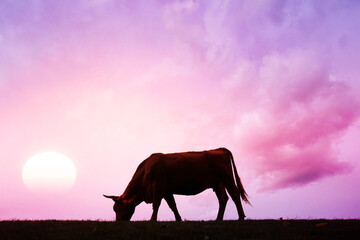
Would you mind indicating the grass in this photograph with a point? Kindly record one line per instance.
(203, 230)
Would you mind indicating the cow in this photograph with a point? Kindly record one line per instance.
(186, 173)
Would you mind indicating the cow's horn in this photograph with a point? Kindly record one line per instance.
(112, 197)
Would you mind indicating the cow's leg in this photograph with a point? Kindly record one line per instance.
(157, 190)
(155, 205)
(171, 202)
(235, 196)
(223, 198)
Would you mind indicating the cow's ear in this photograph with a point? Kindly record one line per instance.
(115, 198)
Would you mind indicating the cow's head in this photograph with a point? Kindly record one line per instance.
(124, 209)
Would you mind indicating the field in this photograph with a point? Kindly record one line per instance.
(249, 229)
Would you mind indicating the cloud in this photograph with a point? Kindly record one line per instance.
(290, 133)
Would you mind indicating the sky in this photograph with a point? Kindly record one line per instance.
(107, 83)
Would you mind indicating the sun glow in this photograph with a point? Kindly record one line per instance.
(49, 172)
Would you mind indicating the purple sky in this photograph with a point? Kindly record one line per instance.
(107, 83)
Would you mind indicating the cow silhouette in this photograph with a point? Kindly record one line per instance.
(187, 173)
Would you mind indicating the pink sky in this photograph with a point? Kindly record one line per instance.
(108, 82)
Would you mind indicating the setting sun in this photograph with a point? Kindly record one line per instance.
(49, 172)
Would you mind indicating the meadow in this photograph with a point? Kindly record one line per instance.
(203, 230)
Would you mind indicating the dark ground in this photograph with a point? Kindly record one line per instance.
(208, 230)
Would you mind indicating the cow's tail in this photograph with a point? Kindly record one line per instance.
(240, 187)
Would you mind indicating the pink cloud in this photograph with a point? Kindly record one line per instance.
(291, 132)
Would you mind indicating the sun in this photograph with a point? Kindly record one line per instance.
(49, 172)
